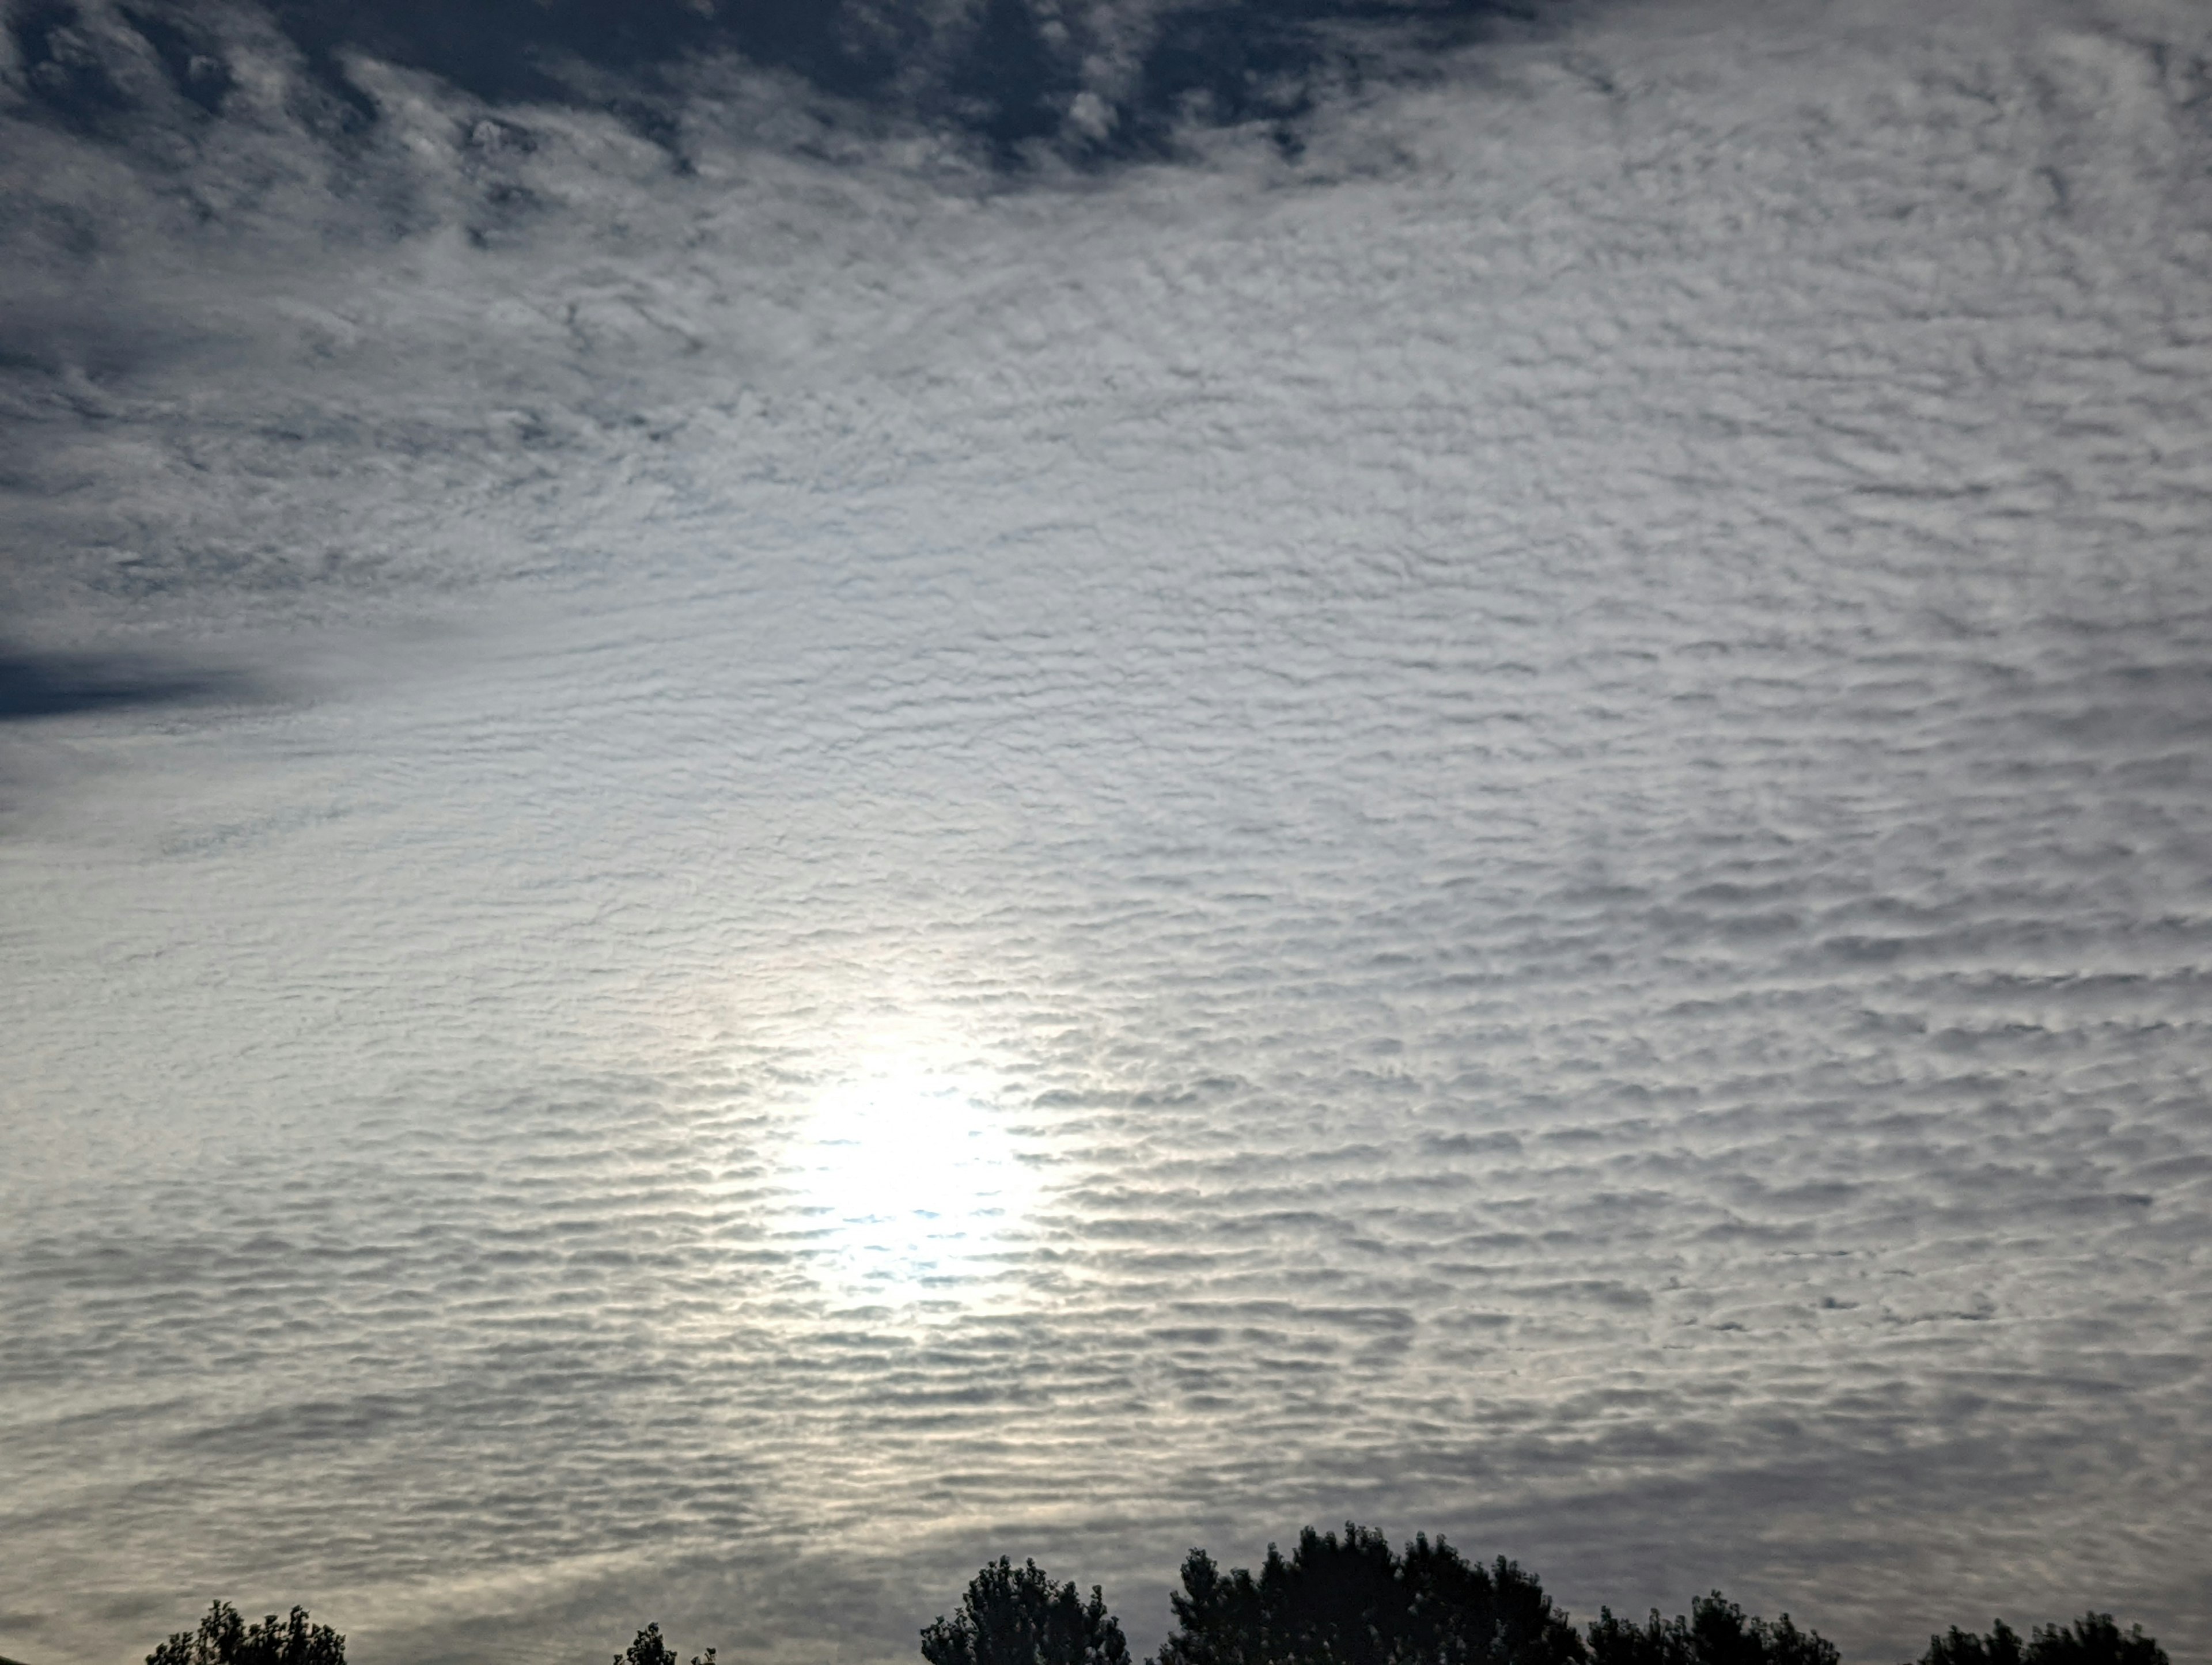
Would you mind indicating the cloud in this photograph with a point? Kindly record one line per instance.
(1540, 753)
(34, 685)
(1113, 78)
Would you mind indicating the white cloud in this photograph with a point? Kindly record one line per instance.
(1551, 755)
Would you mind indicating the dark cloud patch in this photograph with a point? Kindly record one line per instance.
(507, 51)
(34, 685)
(191, 58)
(1263, 61)
(1226, 64)
(63, 69)
(1007, 83)
(1114, 79)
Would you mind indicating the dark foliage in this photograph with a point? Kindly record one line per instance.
(2002, 1646)
(650, 1648)
(1351, 1601)
(1020, 1617)
(1714, 1632)
(647, 1649)
(224, 1638)
(1347, 1601)
(2092, 1639)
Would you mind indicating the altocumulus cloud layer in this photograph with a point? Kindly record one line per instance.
(764, 831)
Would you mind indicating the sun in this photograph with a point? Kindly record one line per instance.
(902, 1175)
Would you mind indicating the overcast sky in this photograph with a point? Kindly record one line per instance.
(787, 796)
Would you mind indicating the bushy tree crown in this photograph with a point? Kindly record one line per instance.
(1715, 1632)
(1018, 1616)
(2092, 1639)
(1351, 1600)
(224, 1638)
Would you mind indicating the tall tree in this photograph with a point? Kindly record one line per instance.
(224, 1638)
(1351, 1601)
(1018, 1616)
(1458, 1614)
(1217, 1616)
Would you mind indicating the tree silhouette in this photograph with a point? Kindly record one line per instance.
(1011, 1617)
(2092, 1639)
(2002, 1646)
(1461, 1615)
(1715, 1633)
(647, 1649)
(650, 1649)
(224, 1638)
(1351, 1601)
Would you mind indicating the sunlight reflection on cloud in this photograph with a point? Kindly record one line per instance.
(902, 1175)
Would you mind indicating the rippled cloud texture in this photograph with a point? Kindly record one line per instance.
(765, 832)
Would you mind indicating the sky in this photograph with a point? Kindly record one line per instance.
(791, 794)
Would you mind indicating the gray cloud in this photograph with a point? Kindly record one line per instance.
(1540, 764)
(50, 684)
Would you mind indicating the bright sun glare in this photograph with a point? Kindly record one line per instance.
(902, 1174)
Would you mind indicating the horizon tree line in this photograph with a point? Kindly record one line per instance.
(1332, 1600)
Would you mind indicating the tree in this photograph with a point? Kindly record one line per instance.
(2095, 1639)
(650, 1649)
(2092, 1639)
(1219, 1619)
(647, 1649)
(1022, 1618)
(1351, 1601)
(224, 1638)
(2002, 1646)
(1715, 1633)
(1461, 1615)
